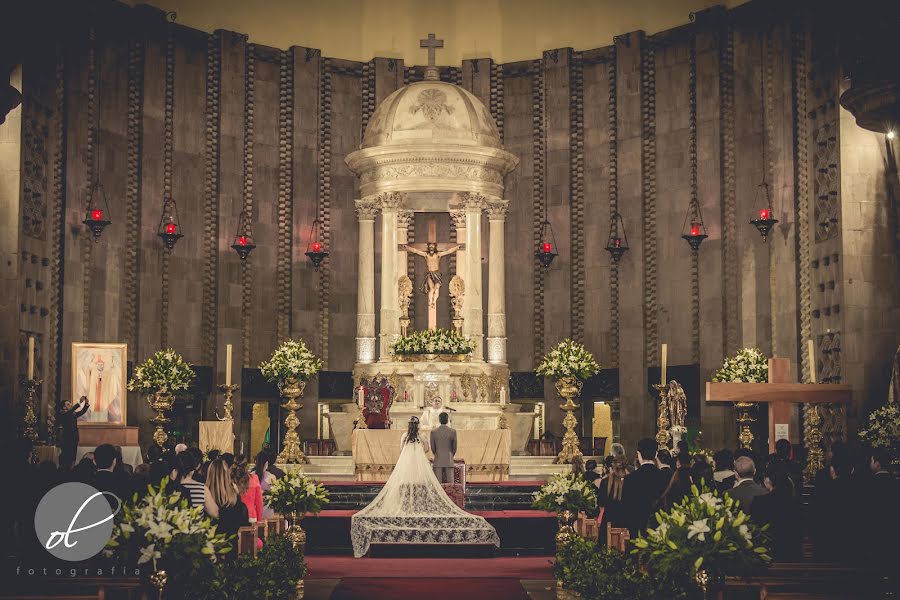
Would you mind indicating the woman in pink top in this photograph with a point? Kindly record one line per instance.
(251, 492)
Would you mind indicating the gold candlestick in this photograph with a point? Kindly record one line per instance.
(662, 421)
(227, 406)
(569, 388)
(292, 389)
(504, 424)
(29, 419)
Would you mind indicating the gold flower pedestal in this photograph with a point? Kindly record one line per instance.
(290, 390)
(297, 537)
(566, 521)
(161, 403)
(569, 388)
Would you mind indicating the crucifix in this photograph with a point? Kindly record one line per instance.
(432, 252)
(431, 71)
(780, 393)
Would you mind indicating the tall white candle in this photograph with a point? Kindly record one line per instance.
(361, 397)
(811, 349)
(31, 358)
(228, 364)
(662, 372)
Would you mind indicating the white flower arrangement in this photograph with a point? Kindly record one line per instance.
(295, 492)
(568, 359)
(882, 427)
(291, 359)
(163, 527)
(165, 372)
(749, 365)
(703, 531)
(565, 491)
(437, 341)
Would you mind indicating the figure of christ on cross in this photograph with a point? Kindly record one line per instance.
(432, 252)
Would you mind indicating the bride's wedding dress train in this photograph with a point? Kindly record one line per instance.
(413, 508)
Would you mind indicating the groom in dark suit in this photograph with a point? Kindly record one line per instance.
(443, 446)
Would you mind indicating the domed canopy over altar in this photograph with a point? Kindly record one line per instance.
(433, 147)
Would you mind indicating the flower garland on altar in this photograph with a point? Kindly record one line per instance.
(882, 428)
(749, 365)
(297, 493)
(703, 532)
(291, 359)
(433, 341)
(165, 372)
(565, 491)
(568, 359)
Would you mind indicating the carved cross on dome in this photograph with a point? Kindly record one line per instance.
(431, 72)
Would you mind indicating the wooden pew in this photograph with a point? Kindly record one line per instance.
(246, 540)
(82, 588)
(805, 581)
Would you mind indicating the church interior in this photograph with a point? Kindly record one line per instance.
(602, 266)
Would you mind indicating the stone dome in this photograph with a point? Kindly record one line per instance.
(431, 112)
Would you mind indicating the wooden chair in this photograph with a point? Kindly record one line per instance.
(588, 528)
(262, 531)
(273, 525)
(548, 448)
(328, 447)
(246, 540)
(617, 537)
(533, 447)
(599, 446)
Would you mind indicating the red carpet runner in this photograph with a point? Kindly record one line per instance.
(340, 567)
(432, 589)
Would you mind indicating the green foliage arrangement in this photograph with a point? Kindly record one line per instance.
(291, 359)
(749, 365)
(166, 372)
(565, 491)
(437, 341)
(882, 428)
(270, 575)
(568, 359)
(598, 572)
(298, 493)
(703, 531)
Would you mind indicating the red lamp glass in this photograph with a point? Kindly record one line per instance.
(242, 240)
(547, 247)
(96, 208)
(170, 228)
(97, 215)
(316, 247)
(243, 237)
(764, 213)
(545, 253)
(315, 252)
(695, 228)
(765, 222)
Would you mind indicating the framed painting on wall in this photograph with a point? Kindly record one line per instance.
(99, 374)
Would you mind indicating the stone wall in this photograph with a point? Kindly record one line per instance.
(597, 131)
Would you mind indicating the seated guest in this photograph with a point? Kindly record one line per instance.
(678, 484)
(881, 498)
(609, 493)
(249, 491)
(701, 472)
(123, 469)
(273, 468)
(665, 461)
(179, 448)
(197, 455)
(578, 466)
(834, 534)
(162, 467)
(643, 489)
(105, 478)
(784, 454)
(228, 457)
(84, 470)
(183, 474)
(724, 476)
(838, 451)
(780, 509)
(221, 499)
(745, 488)
(266, 479)
(210, 457)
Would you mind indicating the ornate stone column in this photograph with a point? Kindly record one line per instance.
(403, 219)
(366, 210)
(496, 324)
(459, 221)
(473, 312)
(390, 203)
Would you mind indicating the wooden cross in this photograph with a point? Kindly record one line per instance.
(779, 393)
(431, 71)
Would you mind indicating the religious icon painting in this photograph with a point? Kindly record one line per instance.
(99, 375)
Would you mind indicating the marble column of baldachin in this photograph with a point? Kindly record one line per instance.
(390, 204)
(365, 297)
(473, 326)
(496, 321)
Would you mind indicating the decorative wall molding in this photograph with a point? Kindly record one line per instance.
(648, 198)
(539, 140)
(283, 277)
(324, 203)
(367, 86)
(210, 310)
(802, 193)
(246, 269)
(576, 194)
(769, 146)
(613, 168)
(496, 99)
(730, 266)
(57, 226)
(695, 198)
(90, 159)
(169, 126)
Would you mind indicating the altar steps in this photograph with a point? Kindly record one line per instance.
(499, 496)
(342, 468)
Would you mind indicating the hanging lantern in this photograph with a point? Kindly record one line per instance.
(547, 245)
(169, 229)
(618, 241)
(693, 231)
(96, 213)
(315, 250)
(765, 222)
(243, 238)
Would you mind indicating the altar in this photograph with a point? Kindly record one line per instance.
(485, 452)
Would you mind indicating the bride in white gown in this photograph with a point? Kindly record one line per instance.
(413, 508)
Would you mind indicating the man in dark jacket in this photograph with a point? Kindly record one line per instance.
(68, 422)
(745, 488)
(642, 490)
